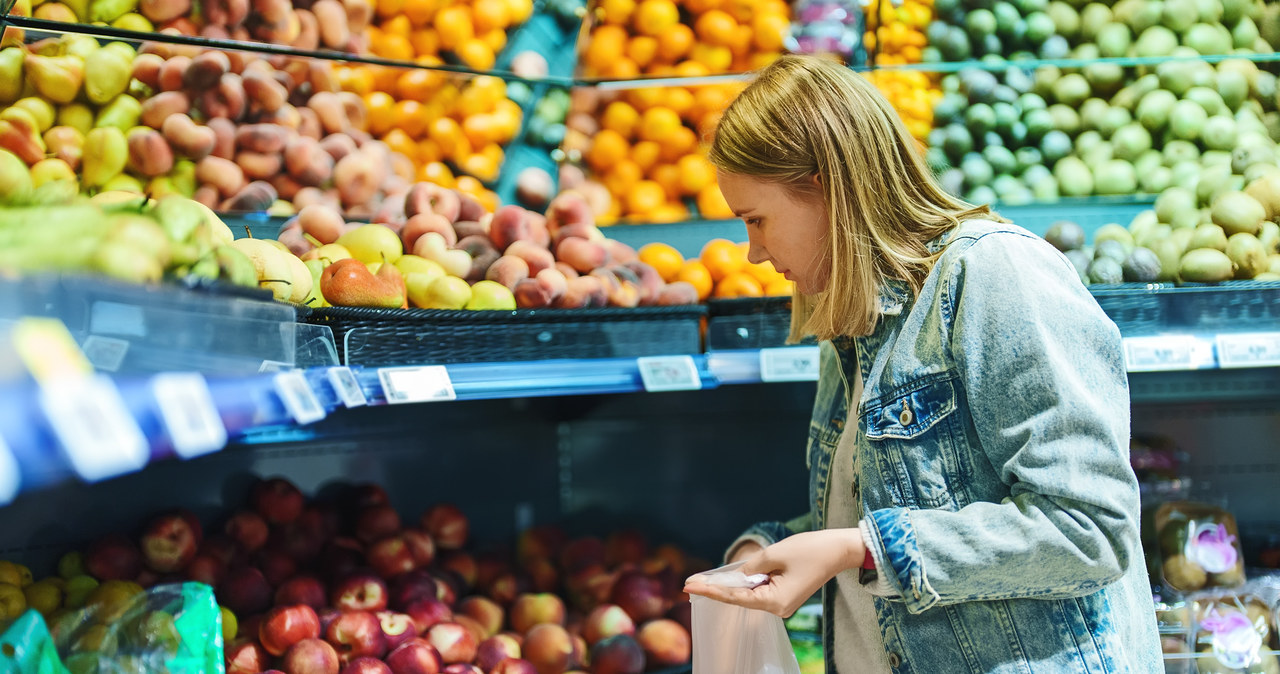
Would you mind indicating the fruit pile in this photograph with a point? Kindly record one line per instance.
(1004, 29)
(346, 586)
(446, 252)
(469, 32)
(643, 146)
(895, 35)
(721, 271)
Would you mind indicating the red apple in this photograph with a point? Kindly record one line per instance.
(514, 666)
(311, 656)
(484, 611)
(421, 546)
(619, 654)
(113, 557)
(543, 574)
(321, 520)
(304, 589)
(415, 656)
(340, 557)
(206, 569)
(455, 642)
(366, 665)
(245, 591)
(581, 553)
(277, 500)
(397, 628)
(220, 547)
(355, 634)
(428, 612)
(505, 588)
(276, 566)
(536, 609)
(461, 668)
(299, 543)
(489, 567)
(605, 621)
(327, 616)
(410, 587)
(665, 643)
(448, 586)
(447, 525)
(169, 543)
(286, 626)
(368, 494)
(391, 557)
(639, 595)
(550, 648)
(248, 530)
(377, 522)
(544, 542)
(495, 649)
(625, 547)
(360, 591)
(462, 564)
(246, 657)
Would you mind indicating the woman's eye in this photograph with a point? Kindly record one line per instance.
(754, 222)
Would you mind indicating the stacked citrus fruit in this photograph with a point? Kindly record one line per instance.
(896, 35)
(471, 32)
(721, 271)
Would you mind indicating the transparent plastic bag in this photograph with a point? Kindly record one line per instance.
(729, 639)
(1199, 547)
(27, 648)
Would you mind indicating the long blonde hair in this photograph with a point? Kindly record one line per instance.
(804, 116)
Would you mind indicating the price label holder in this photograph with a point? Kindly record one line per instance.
(275, 366)
(99, 436)
(10, 474)
(188, 413)
(669, 373)
(789, 363)
(1159, 354)
(298, 398)
(1255, 349)
(106, 353)
(423, 384)
(345, 385)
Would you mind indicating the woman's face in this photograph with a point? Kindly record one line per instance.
(785, 227)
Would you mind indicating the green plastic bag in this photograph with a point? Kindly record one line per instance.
(28, 648)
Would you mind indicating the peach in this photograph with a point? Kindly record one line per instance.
(308, 37)
(422, 223)
(285, 116)
(639, 595)
(223, 174)
(541, 571)
(482, 255)
(357, 178)
(566, 209)
(465, 228)
(508, 270)
(619, 654)
(390, 211)
(678, 293)
(420, 545)
(538, 232)
(598, 197)
(310, 125)
(258, 166)
(146, 69)
(254, 197)
(207, 195)
(665, 642)
(149, 154)
(509, 224)
(567, 269)
(538, 258)
(555, 284)
(272, 11)
(534, 187)
(287, 188)
(514, 666)
(582, 255)
(571, 176)
(403, 170)
(224, 133)
(468, 207)
(321, 223)
(263, 138)
(454, 642)
(156, 110)
(328, 107)
(581, 553)
(205, 70)
(339, 145)
(428, 612)
(531, 295)
(651, 283)
(359, 14)
(239, 60)
(355, 108)
(189, 139)
(485, 612)
(621, 252)
(427, 197)
(607, 620)
(308, 196)
(229, 13)
(461, 668)
(504, 588)
(226, 100)
(306, 162)
(495, 649)
(172, 73)
(550, 648)
(321, 76)
(535, 609)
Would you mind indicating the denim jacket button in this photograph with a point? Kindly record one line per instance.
(905, 417)
(895, 660)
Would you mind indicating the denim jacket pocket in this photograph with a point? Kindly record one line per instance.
(917, 440)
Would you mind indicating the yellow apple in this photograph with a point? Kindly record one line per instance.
(491, 295)
(445, 292)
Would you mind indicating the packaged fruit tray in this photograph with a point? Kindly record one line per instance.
(748, 322)
(373, 337)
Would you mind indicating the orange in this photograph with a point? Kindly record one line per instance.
(780, 288)
(645, 197)
(675, 43)
(411, 117)
(700, 6)
(519, 11)
(436, 172)
(479, 129)
(682, 141)
(386, 9)
(695, 273)
(476, 54)
(605, 45)
(696, 172)
(680, 100)
(481, 167)
(740, 10)
(768, 31)
(419, 12)
(380, 112)
(667, 175)
(740, 45)
(490, 89)
(493, 152)
(425, 42)
(384, 78)
(358, 80)
(397, 25)
(622, 69)
(491, 14)
(644, 98)
(711, 204)
(444, 132)
(722, 258)
(619, 116)
(665, 259)
(645, 154)
(401, 142)
(658, 124)
(669, 212)
(738, 285)
(417, 85)
(621, 177)
(764, 272)
(453, 25)
(393, 47)
(654, 17)
(715, 28)
(642, 49)
(691, 68)
(607, 148)
(711, 99)
(496, 39)
(428, 152)
(716, 59)
(617, 12)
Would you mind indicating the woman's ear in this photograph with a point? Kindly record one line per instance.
(816, 179)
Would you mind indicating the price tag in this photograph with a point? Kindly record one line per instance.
(100, 437)
(428, 383)
(669, 373)
(1152, 354)
(10, 477)
(1258, 349)
(188, 412)
(298, 397)
(789, 363)
(274, 366)
(105, 353)
(345, 385)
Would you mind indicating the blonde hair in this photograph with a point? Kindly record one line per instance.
(806, 116)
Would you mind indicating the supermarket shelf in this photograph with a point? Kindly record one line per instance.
(1031, 64)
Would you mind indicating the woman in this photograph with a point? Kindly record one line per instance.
(972, 508)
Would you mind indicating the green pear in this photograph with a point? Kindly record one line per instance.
(302, 280)
(15, 180)
(105, 155)
(235, 266)
(106, 75)
(372, 243)
(315, 298)
(11, 60)
(122, 113)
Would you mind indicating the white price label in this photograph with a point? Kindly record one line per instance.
(428, 383)
(188, 413)
(274, 366)
(669, 373)
(345, 385)
(1259, 349)
(105, 353)
(298, 397)
(10, 476)
(1151, 354)
(789, 363)
(100, 437)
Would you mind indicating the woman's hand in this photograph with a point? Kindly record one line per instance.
(798, 566)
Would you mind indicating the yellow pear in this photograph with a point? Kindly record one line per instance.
(273, 268)
(302, 280)
(372, 243)
(328, 253)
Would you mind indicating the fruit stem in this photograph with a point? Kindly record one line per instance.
(313, 240)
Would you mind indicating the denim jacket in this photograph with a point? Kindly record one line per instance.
(996, 491)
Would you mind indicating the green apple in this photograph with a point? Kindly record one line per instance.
(491, 295)
(445, 292)
(372, 243)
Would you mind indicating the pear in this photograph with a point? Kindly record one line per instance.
(15, 180)
(41, 111)
(49, 170)
(412, 264)
(105, 154)
(372, 243)
(106, 75)
(348, 283)
(142, 234)
(446, 292)
(178, 216)
(58, 192)
(122, 113)
(274, 272)
(56, 78)
(107, 11)
(123, 183)
(302, 279)
(18, 136)
(77, 116)
(328, 253)
(11, 60)
(235, 266)
(118, 259)
(433, 246)
(315, 298)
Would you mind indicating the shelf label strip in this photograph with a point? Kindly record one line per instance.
(99, 435)
(1155, 354)
(1256, 349)
(429, 383)
(298, 397)
(188, 413)
(789, 363)
(345, 385)
(669, 373)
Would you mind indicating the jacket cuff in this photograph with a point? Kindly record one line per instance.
(763, 534)
(890, 530)
(877, 584)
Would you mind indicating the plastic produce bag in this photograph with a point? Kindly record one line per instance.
(28, 648)
(729, 639)
(176, 629)
(1235, 633)
(1199, 547)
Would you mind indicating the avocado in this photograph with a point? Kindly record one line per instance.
(1115, 176)
(1247, 255)
(1205, 265)
(1105, 270)
(980, 119)
(1173, 201)
(978, 85)
(1073, 176)
(1186, 120)
(949, 108)
(1208, 236)
(1142, 266)
(1065, 235)
(1219, 133)
(977, 172)
(955, 45)
(1238, 212)
(958, 142)
(1130, 141)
